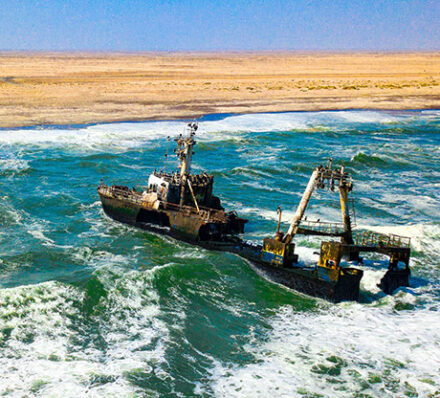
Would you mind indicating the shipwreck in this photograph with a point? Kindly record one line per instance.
(182, 205)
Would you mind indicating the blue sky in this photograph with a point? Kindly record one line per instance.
(184, 25)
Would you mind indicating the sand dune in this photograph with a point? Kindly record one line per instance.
(60, 88)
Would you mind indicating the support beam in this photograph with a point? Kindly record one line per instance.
(302, 207)
(183, 189)
(193, 196)
(343, 195)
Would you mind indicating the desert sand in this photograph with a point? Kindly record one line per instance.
(61, 88)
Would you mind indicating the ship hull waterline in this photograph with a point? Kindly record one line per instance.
(301, 279)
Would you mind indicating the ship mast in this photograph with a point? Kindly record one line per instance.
(184, 152)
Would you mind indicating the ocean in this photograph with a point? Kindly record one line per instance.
(90, 307)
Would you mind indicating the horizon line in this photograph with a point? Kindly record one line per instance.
(207, 52)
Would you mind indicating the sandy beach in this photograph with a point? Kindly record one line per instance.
(61, 88)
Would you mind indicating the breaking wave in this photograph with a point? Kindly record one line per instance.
(93, 339)
(122, 136)
(346, 351)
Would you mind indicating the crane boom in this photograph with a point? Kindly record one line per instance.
(302, 206)
(324, 176)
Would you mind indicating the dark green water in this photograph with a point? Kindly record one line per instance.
(90, 307)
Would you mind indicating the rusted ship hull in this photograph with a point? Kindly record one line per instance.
(137, 217)
(301, 279)
(120, 211)
(305, 281)
(184, 225)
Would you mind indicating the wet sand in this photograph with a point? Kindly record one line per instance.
(60, 88)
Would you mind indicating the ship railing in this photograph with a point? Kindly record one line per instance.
(124, 194)
(204, 212)
(331, 228)
(377, 239)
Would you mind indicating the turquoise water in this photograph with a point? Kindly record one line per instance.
(90, 307)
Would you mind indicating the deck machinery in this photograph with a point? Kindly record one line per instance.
(280, 250)
(182, 205)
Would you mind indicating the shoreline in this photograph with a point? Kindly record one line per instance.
(202, 118)
(43, 89)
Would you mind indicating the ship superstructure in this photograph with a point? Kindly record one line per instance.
(180, 204)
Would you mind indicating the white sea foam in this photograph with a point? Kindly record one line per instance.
(12, 215)
(121, 136)
(418, 203)
(435, 113)
(13, 164)
(367, 117)
(314, 213)
(259, 123)
(371, 279)
(371, 350)
(37, 230)
(41, 356)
